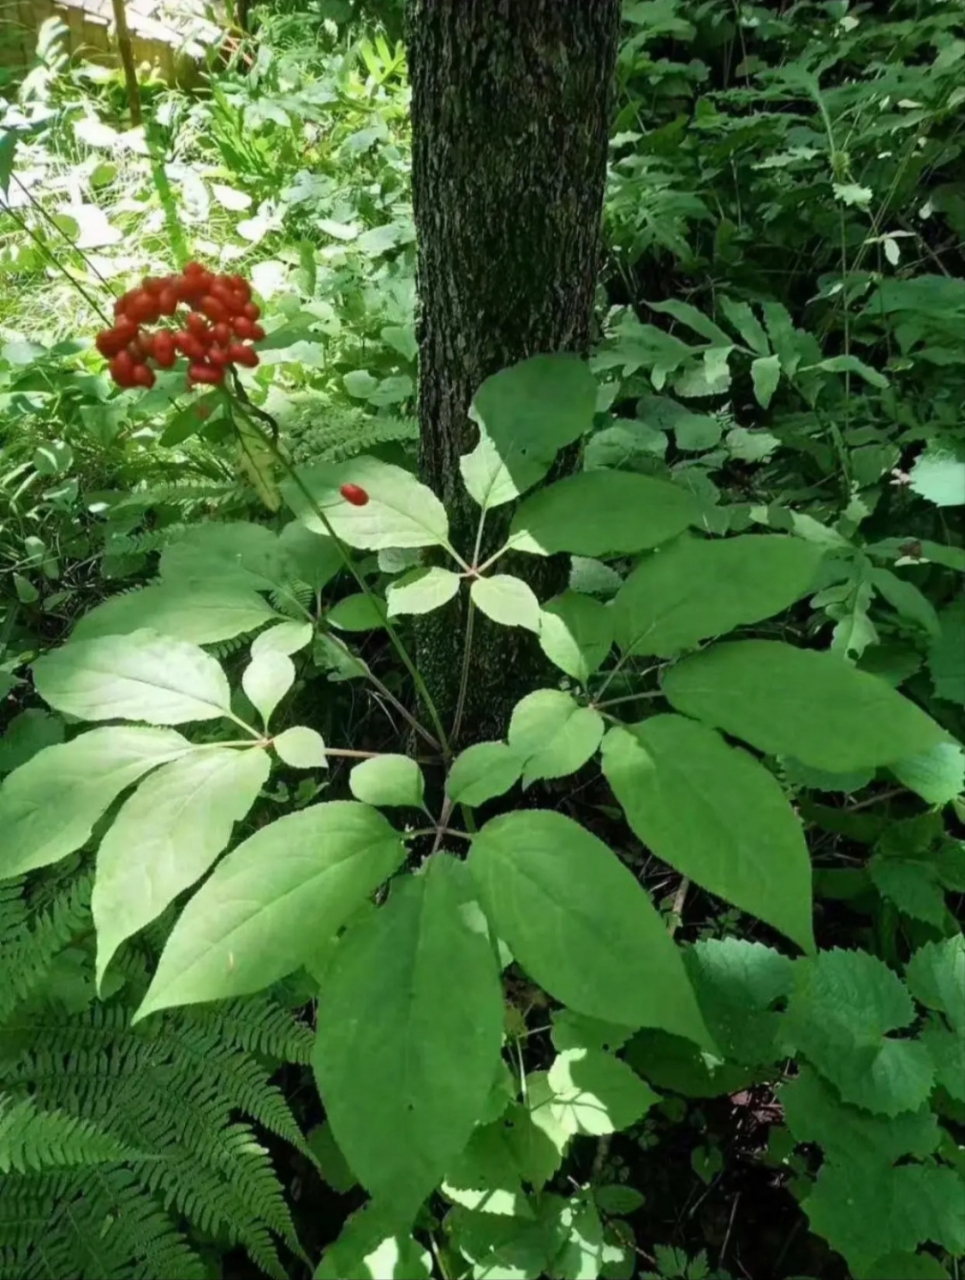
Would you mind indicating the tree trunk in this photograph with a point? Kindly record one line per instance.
(510, 115)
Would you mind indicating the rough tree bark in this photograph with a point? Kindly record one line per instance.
(510, 115)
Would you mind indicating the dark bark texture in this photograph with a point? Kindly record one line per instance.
(510, 116)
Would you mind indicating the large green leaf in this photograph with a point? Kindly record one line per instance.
(699, 588)
(49, 805)
(388, 780)
(507, 600)
(580, 924)
(409, 1029)
(267, 904)
(489, 480)
(716, 815)
(946, 656)
(166, 837)
(576, 634)
(552, 735)
(233, 555)
(482, 771)
(800, 703)
(597, 513)
(400, 512)
(142, 676)
(201, 612)
(529, 412)
(421, 590)
(313, 557)
(266, 679)
(936, 976)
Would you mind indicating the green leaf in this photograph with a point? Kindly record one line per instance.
(258, 915)
(330, 1161)
(358, 612)
(400, 511)
(236, 555)
(26, 734)
(576, 634)
(912, 886)
(765, 375)
(534, 1135)
(742, 317)
(939, 475)
(813, 1112)
(946, 657)
(698, 588)
(844, 1004)
(851, 364)
(48, 807)
(580, 924)
(484, 1177)
(615, 1198)
(552, 735)
(693, 319)
(421, 591)
(716, 815)
(483, 771)
(285, 638)
(937, 775)
(936, 977)
(201, 616)
(142, 676)
(536, 407)
(409, 1030)
(905, 597)
(314, 558)
(738, 984)
(864, 1212)
(575, 1031)
(301, 747)
(947, 1051)
(906, 1266)
(371, 1246)
(266, 680)
(491, 482)
(593, 1092)
(166, 836)
(813, 706)
(507, 600)
(598, 513)
(389, 780)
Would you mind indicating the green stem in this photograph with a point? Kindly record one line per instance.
(464, 678)
(628, 697)
(347, 560)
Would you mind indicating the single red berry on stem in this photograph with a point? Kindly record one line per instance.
(354, 494)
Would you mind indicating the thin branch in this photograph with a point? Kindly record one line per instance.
(126, 50)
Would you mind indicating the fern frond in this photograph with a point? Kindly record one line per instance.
(32, 1140)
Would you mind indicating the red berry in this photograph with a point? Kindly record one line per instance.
(251, 310)
(243, 327)
(201, 372)
(164, 352)
(213, 308)
(221, 333)
(143, 307)
(354, 494)
(225, 295)
(218, 357)
(240, 285)
(142, 376)
(195, 269)
(242, 354)
(122, 369)
(257, 332)
(110, 341)
(197, 324)
(167, 300)
(152, 284)
(192, 347)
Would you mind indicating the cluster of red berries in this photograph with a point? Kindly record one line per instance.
(221, 317)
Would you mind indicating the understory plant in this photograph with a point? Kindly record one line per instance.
(458, 891)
